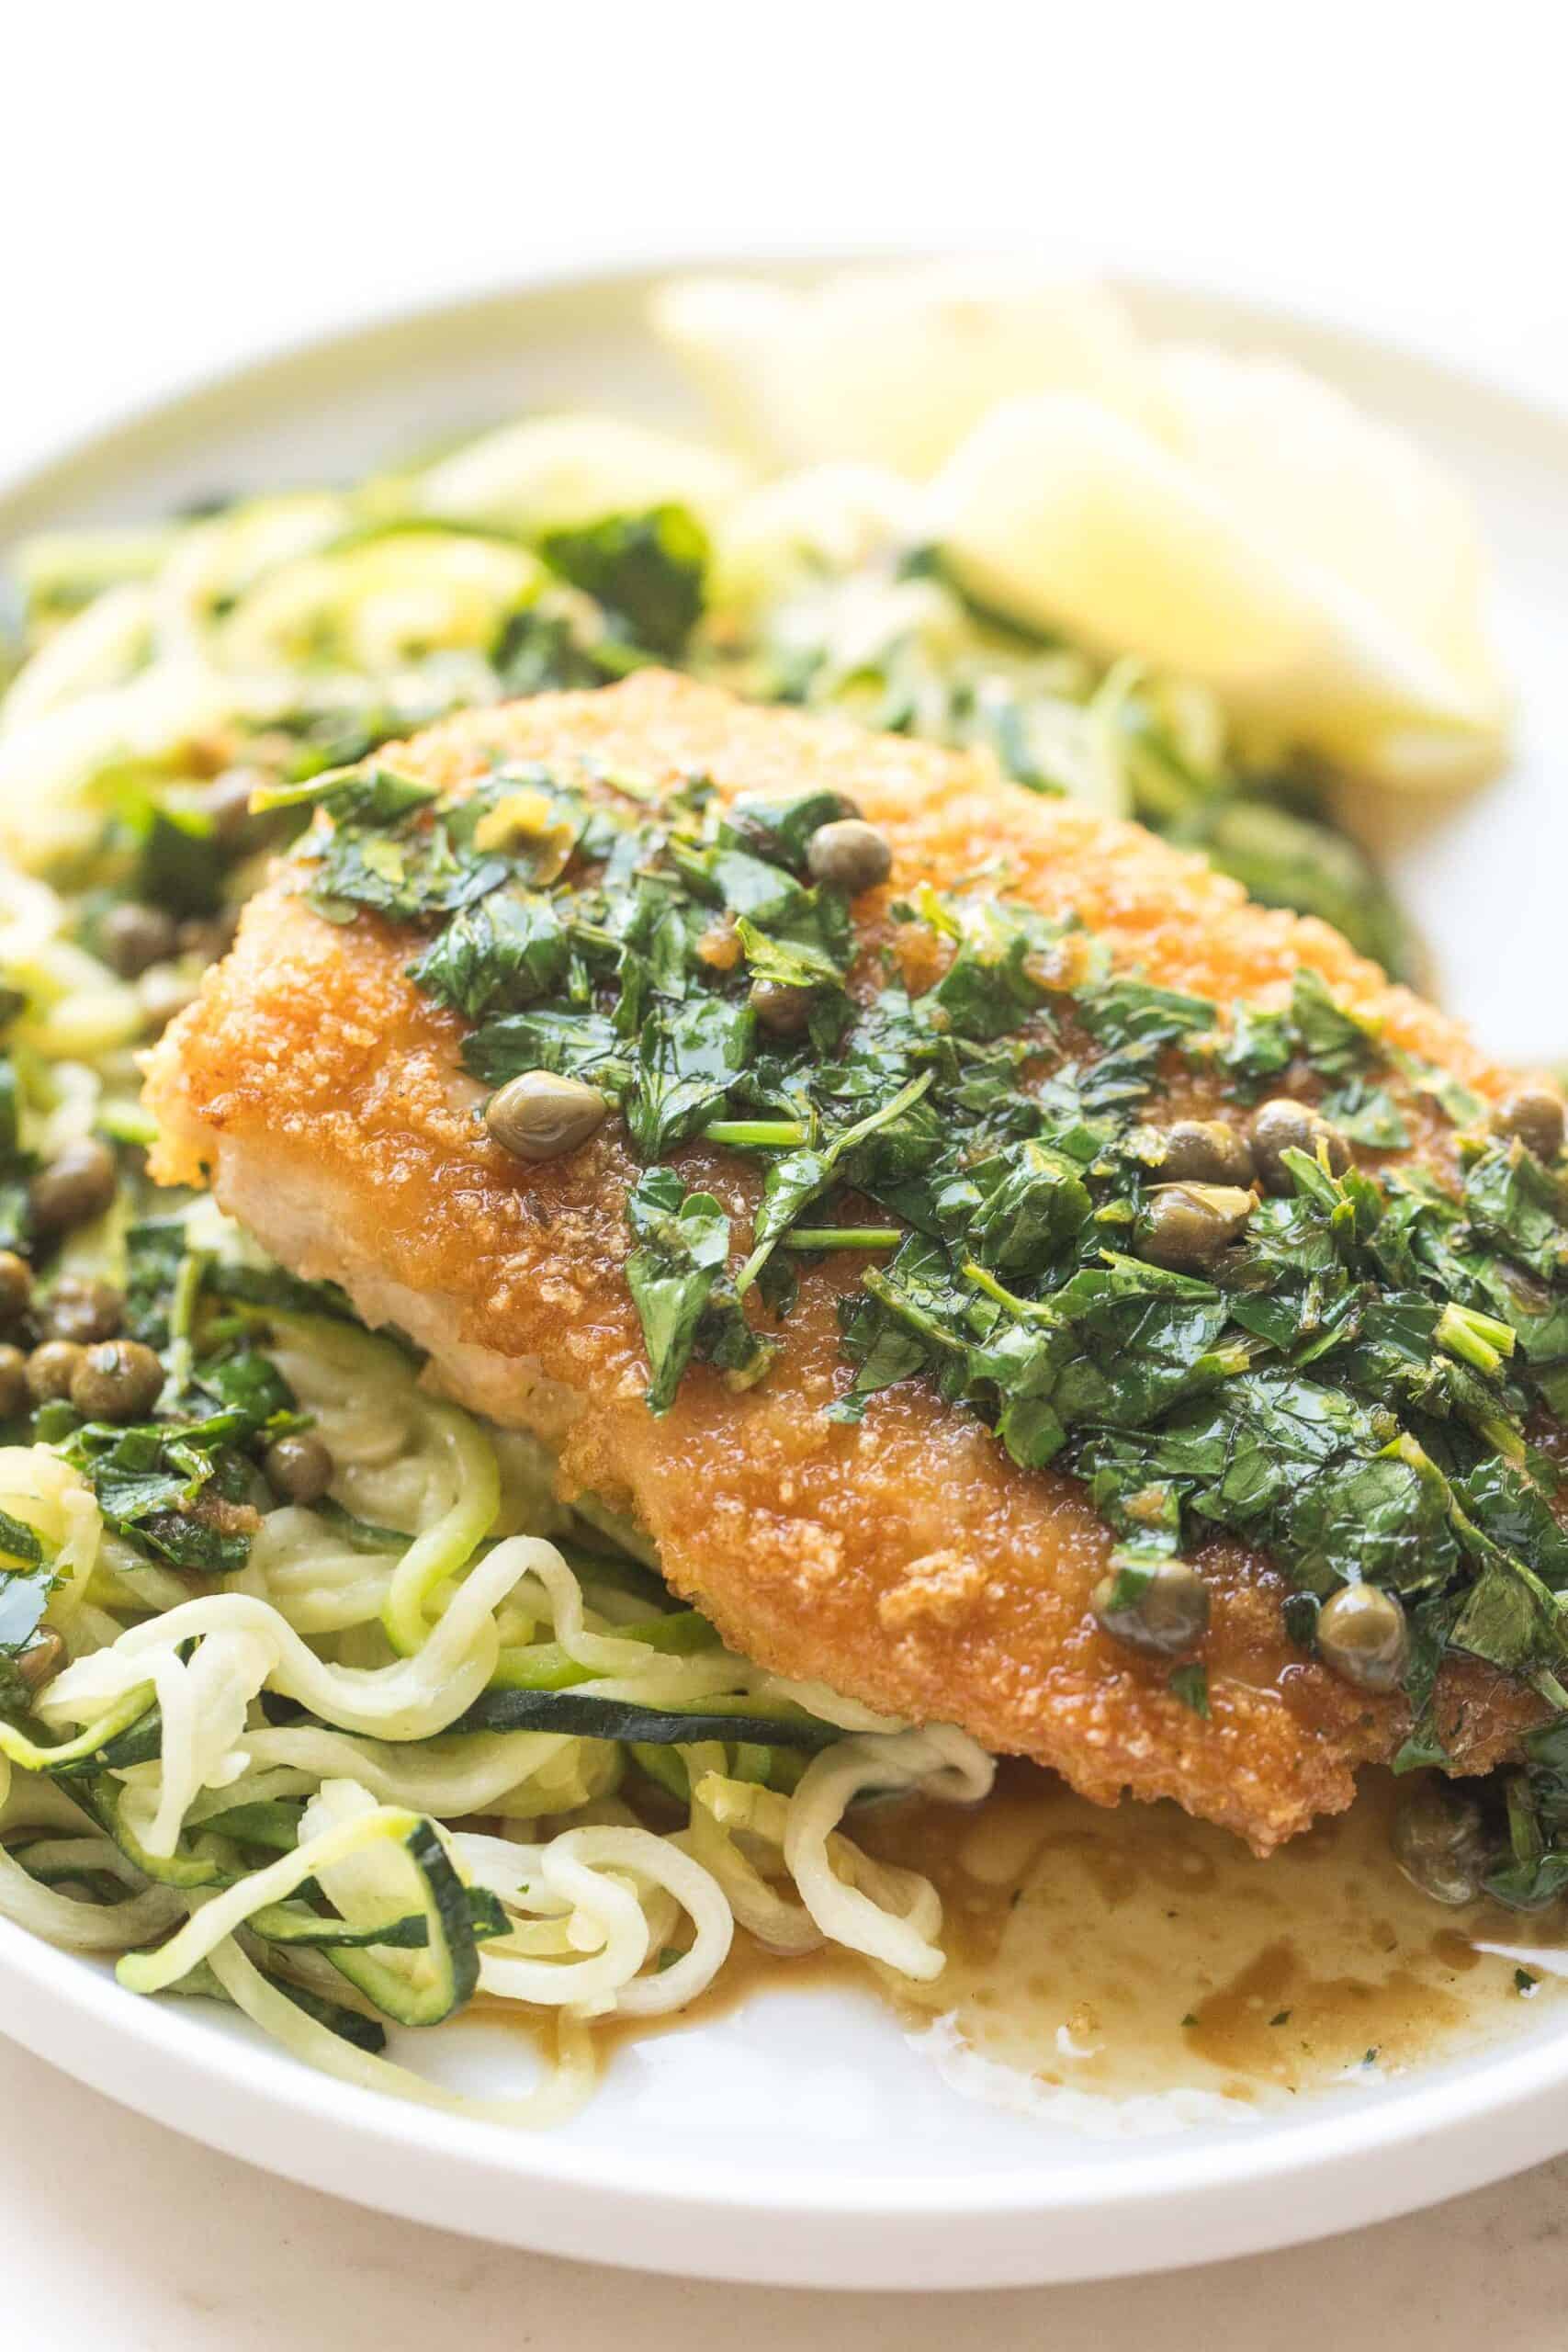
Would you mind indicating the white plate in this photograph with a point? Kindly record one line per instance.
(800, 2139)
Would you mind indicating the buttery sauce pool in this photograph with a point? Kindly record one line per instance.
(1131, 1953)
(1139, 1952)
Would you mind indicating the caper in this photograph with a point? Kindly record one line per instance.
(752, 831)
(541, 1116)
(301, 1467)
(1205, 1151)
(118, 1380)
(208, 937)
(1363, 1638)
(51, 1369)
(781, 1010)
(1534, 1113)
(1188, 1225)
(849, 855)
(132, 936)
(1282, 1125)
(1440, 1841)
(16, 1285)
(78, 1183)
(42, 1658)
(83, 1309)
(226, 804)
(1157, 1611)
(15, 1393)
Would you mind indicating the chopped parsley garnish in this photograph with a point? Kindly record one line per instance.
(1191, 1684)
(687, 1302)
(26, 1582)
(646, 571)
(178, 1488)
(1350, 1388)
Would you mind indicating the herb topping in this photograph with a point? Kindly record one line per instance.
(1347, 1376)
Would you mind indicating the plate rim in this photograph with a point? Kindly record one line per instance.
(273, 360)
(1200, 2203)
(1154, 2210)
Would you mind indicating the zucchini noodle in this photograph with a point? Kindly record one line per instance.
(82, 1926)
(408, 1699)
(297, 1746)
(443, 1549)
(350, 1759)
(565, 2086)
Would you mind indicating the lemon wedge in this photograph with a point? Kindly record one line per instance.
(892, 365)
(1232, 521)
(1254, 532)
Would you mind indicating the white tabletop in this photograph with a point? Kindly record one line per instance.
(184, 185)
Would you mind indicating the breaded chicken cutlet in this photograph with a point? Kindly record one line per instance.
(907, 1559)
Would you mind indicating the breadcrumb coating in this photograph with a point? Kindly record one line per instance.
(906, 1562)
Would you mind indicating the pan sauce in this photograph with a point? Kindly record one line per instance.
(1137, 1951)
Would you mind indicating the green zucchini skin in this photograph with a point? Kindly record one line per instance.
(349, 2025)
(101, 1797)
(140, 1743)
(281, 1923)
(450, 1941)
(573, 1711)
(585, 1717)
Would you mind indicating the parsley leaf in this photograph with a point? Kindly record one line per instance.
(684, 1300)
(506, 951)
(1190, 1685)
(646, 569)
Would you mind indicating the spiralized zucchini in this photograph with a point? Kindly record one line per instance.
(271, 1768)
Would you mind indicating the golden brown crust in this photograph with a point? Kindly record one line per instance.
(907, 1562)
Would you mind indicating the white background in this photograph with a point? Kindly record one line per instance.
(183, 185)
